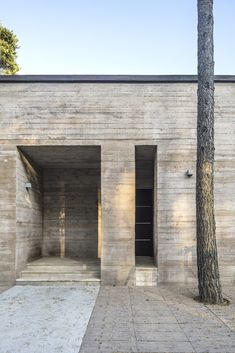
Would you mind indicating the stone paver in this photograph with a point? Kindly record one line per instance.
(159, 319)
(45, 319)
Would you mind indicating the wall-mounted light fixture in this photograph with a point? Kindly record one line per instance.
(189, 173)
(28, 185)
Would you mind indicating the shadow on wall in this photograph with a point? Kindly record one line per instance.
(70, 224)
(28, 212)
(33, 172)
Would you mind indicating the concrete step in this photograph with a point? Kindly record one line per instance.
(55, 277)
(146, 276)
(88, 274)
(62, 262)
(36, 281)
(64, 270)
(58, 262)
(61, 268)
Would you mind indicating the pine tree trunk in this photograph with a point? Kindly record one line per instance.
(208, 272)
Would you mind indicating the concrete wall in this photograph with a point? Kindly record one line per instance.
(225, 180)
(118, 213)
(119, 116)
(7, 214)
(29, 212)
(70, 224)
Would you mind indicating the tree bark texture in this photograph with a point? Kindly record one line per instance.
(207, 260)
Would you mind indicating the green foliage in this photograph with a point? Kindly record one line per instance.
(8, 52)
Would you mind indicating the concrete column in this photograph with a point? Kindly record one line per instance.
(118, 213)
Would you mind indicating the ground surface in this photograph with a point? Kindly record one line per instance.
(45, 319)
(53, 319)
(158, 319)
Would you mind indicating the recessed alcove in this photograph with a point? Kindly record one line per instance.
(146, 204)
(58, 215)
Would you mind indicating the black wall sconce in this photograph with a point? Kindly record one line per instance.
(28, 185)
(189, 173)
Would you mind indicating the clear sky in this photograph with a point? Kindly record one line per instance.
(116, 36)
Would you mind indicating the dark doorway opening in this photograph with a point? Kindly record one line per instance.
(144, 222)
(145, 210)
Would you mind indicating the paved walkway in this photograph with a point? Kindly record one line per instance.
(45, 319)
(53, 319)
(162, 319)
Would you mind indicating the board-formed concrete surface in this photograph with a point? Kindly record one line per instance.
(117, 114)
(159, 320)
(45, 319)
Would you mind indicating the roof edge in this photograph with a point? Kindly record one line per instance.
(108, 78)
